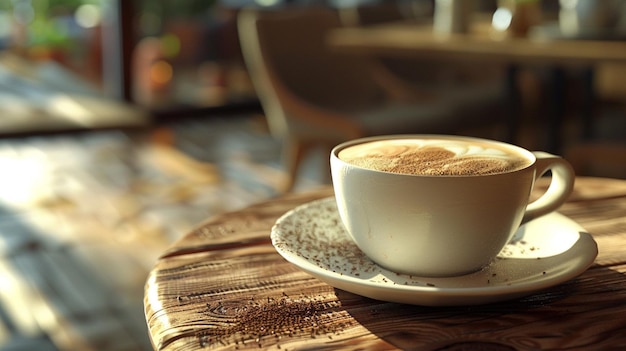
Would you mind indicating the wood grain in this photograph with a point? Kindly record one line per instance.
(224, 287)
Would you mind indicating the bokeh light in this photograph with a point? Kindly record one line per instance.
(502, 18)
(88, 15)
(161, 72)
(267, 3)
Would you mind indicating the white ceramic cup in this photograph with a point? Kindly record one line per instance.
(442, 225)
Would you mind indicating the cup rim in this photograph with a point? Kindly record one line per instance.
(527, 153)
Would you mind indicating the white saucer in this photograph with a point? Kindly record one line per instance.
(545, 252)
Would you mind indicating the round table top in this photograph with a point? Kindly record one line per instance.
(224, 286)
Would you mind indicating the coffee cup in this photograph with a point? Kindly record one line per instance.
(435, 205)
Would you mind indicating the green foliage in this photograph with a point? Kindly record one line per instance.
(45, 29)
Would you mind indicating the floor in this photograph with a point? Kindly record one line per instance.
(84, 217)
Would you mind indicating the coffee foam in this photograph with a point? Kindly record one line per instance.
(433, 157)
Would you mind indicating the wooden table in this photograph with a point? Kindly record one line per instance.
(224, 287)
(411, 40)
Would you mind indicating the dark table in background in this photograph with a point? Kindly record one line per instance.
(556, 54)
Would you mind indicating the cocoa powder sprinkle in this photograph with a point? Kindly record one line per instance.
(265, 323)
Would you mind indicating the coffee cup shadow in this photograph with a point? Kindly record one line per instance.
(488, 326)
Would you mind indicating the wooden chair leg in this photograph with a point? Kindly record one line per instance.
(294, 151)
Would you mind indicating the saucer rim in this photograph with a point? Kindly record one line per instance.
(492, 293)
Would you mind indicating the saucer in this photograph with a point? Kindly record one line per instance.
(544, 252)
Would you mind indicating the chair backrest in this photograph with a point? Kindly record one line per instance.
(287, 57)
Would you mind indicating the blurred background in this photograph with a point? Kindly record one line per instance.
(125, 123)
(163, 55)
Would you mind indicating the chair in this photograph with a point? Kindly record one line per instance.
(314, 96)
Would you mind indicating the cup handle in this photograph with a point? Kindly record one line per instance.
(560, 188)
